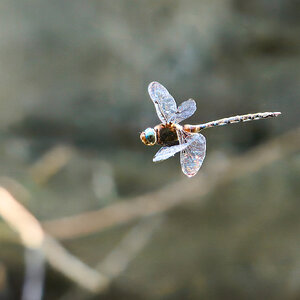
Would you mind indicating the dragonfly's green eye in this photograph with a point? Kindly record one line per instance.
(148, 137)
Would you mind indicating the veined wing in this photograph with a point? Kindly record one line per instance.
(166, 152)
(164, 103)
(185, 110)
(191, 158)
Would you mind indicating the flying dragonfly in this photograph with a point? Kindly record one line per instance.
(185, 139)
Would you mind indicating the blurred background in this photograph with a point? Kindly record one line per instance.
(112, 224)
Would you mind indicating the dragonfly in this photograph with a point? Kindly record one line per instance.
(185, 139)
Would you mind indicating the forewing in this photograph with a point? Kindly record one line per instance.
(165, 104)
(166, 152)
(191, 158)
(185, 110)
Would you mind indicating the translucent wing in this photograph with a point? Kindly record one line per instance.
(192, 156)
(185, 110)
(166, 152)
(164, 103)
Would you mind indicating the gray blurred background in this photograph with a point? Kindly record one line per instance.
(73, 90)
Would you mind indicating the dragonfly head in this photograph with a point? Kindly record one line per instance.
(148, 137)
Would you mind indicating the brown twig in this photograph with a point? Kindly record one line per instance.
(177, 193)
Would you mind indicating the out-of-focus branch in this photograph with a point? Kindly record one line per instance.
(117, 261)
(21, 220)
(33, 237)
(72, 267)
(129, 247)
(177, 193)
(50, 163)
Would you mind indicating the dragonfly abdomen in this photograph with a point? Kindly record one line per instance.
(231, 120)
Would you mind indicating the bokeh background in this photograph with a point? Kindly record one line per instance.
(73, 92)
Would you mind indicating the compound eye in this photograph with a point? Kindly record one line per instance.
(148, 137)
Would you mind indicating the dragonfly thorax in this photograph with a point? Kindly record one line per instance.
(166, 134)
